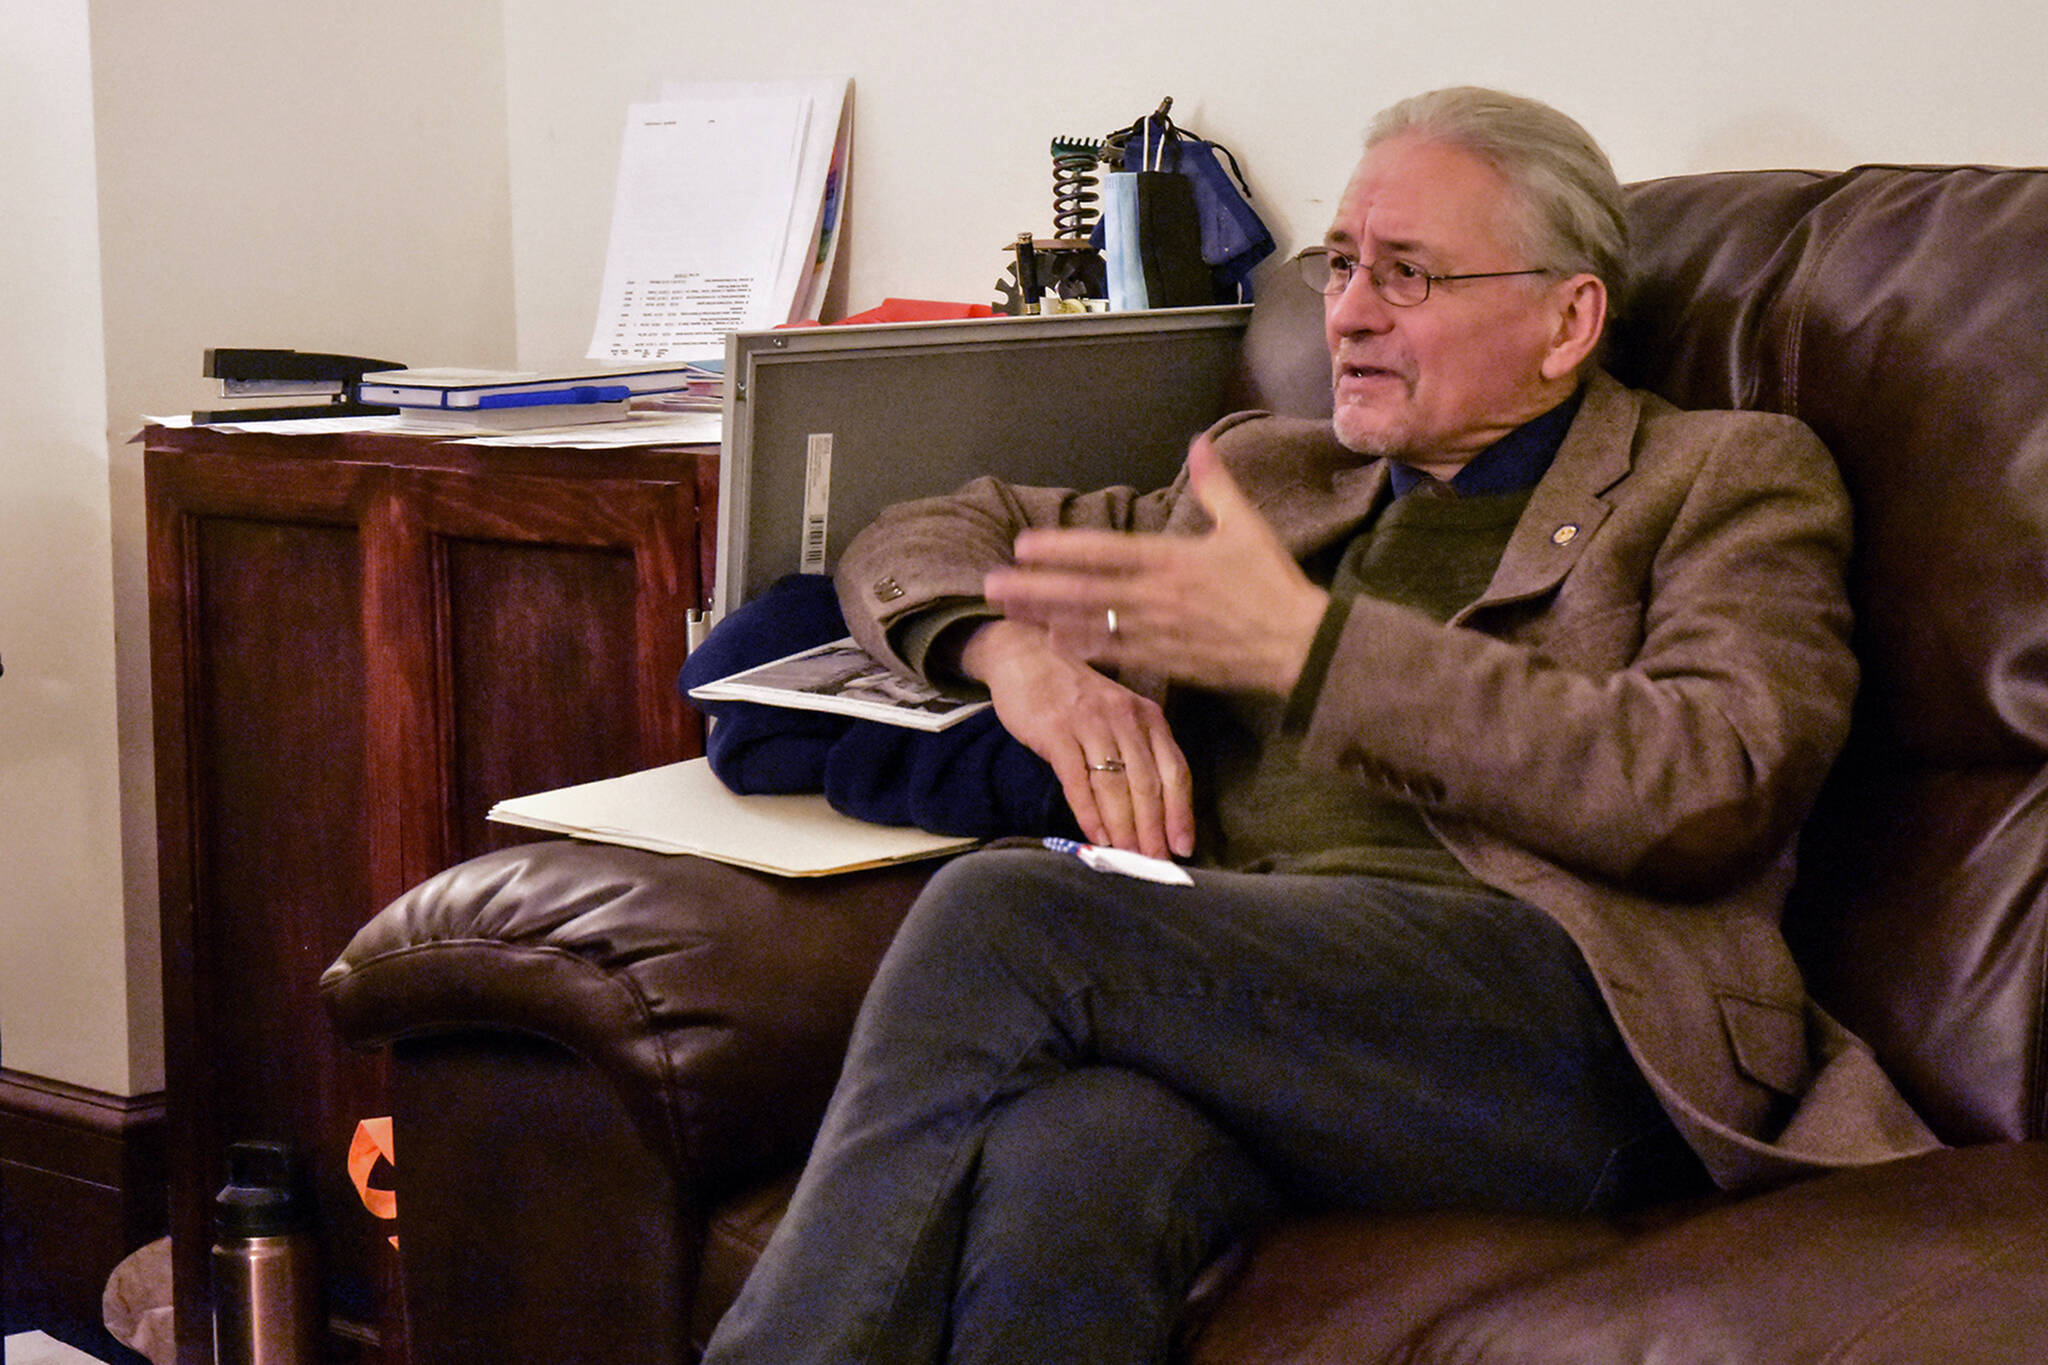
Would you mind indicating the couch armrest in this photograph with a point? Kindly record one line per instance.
(716, 999)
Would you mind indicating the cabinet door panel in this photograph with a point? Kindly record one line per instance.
(538, 635)
(270, 850)
(524, 634)
(278, 649)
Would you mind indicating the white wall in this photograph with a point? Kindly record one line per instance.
(425, 179)
(956, 102)
(327, 177)
(63, 939)
(225, 172)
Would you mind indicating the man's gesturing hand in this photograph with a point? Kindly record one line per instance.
(1229, 609)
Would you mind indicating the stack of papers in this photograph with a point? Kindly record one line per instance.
(704, 390)
(725, 218)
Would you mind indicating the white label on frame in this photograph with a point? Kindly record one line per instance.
(817, 501)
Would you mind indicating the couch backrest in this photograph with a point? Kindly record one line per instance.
(1902, 312)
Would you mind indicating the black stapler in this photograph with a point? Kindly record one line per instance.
(257, 372)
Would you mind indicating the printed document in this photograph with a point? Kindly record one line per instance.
(811, 239)
(716, 220)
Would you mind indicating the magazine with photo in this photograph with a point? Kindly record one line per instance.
(842, 677)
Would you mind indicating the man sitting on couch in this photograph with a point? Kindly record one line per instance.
(1487, 714)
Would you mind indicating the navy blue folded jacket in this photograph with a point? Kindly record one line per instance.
(972, 779)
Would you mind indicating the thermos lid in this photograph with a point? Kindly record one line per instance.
(265, 1195)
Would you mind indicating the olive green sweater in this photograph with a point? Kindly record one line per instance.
(1430, 550)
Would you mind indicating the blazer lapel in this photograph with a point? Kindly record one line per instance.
(1309, 525)
(1568, 505)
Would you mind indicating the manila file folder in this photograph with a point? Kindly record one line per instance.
(684, 808)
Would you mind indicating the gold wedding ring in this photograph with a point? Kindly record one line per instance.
(1109, 619)
(1108, 765)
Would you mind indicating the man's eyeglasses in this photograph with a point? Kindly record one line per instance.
(1401, 283)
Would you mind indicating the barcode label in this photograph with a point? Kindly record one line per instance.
(817, 501)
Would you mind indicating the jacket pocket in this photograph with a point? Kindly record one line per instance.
(1768, 1041)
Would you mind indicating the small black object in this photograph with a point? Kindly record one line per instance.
(251, 363)
(265, 1195)
(261, 370)
(340, 407)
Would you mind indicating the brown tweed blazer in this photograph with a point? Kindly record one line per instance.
(1625, 730)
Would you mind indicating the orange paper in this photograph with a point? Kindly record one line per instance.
(371, 1144)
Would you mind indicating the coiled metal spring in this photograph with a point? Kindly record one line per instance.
(1073, 185)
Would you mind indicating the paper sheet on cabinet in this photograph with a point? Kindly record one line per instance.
(638, 429)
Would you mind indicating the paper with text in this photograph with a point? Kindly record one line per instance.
(699, 224)
(811, 237)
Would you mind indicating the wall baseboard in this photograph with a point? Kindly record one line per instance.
(82, 1184)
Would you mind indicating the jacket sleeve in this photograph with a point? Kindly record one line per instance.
(931, 554)
(1659, 718)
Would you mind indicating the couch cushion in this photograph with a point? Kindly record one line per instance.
(735, 1235)
(1334, 1289)
(1347, 1289)
(1941, 1258)
(1902, 313)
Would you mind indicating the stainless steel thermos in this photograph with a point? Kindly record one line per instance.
(266, 1281)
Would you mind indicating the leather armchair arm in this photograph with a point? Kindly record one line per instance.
(716, 1000)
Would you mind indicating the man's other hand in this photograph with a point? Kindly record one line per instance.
(1119, 767)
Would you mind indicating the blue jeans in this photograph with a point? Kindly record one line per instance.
(1067, 1090)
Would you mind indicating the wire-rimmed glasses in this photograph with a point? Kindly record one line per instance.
(1401, 283)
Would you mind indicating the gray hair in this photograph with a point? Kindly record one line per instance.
(1570, 215)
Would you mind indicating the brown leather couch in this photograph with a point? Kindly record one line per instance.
(608, 1064)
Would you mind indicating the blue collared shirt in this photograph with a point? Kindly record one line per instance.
(1514, 462)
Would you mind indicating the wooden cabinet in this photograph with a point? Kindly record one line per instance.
(359, 644)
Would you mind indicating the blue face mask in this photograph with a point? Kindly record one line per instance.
(1233, 237)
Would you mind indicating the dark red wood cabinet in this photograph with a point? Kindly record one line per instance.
(359, 643)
